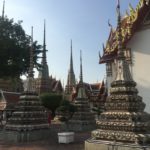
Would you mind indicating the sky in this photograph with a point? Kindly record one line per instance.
(83, 21)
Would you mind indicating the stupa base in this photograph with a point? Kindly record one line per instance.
(25, 136)
(91, 144)
(80, 126)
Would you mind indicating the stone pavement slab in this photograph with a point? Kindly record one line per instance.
(49, 144)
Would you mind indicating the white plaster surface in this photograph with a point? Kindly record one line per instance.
(140, 67)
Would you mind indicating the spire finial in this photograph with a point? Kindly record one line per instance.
(100, 55)
(3, 11)
(31, 55)
(44, 72)
(44, 40)
(44, 61)
(103, 48)
(81, 90)
(81, 74)
(120, 48)
(109, 24)
(71, 45)
(71, 59)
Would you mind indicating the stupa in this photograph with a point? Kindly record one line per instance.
(124, 120)
(83, 119)
(29, 121)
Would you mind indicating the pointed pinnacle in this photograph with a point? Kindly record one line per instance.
(120, 49)
(71, 59)
(3, 11)
(103, 48)
(31, 55)
(100, 55)
(81, 74)
(44, 61)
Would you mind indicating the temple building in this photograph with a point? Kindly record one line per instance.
(11, 84)
(8, 101)
(124, 124)
(135, 28)
(71, 81)
(96, 93)
(45, 83)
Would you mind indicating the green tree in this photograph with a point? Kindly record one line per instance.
(15, 49)
(66, 110)
(51, 101)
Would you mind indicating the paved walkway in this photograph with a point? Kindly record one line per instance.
(49, 144)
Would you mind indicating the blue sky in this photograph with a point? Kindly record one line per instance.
(83, 21)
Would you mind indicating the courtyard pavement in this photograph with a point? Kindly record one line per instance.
(49, 144)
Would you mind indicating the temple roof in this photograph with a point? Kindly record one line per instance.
(96, 90)
(8, 99)
(130, 24)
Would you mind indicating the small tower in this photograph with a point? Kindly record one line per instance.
(124, 119)
(71, 76)
(83, 119)
(43, 81)
(29, 120)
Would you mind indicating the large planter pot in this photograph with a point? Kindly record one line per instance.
(66, 137)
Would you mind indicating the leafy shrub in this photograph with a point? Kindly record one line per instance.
(51, 101)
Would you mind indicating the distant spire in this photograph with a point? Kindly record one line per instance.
(81, 91)
(44, 73)
(81, 74)
(44, 45)
(71, 76)
(3, 11)
(71, 58)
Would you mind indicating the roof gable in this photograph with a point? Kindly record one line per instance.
(130, 23)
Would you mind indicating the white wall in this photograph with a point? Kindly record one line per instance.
(140, 69)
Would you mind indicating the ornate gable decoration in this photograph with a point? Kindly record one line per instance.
(129, 24)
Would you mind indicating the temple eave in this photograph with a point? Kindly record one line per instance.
(108, 57)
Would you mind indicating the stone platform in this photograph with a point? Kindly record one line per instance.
(25, 136)
(91, 144)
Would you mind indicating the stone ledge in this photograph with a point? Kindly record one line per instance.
(91, 144)
(17, 137)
